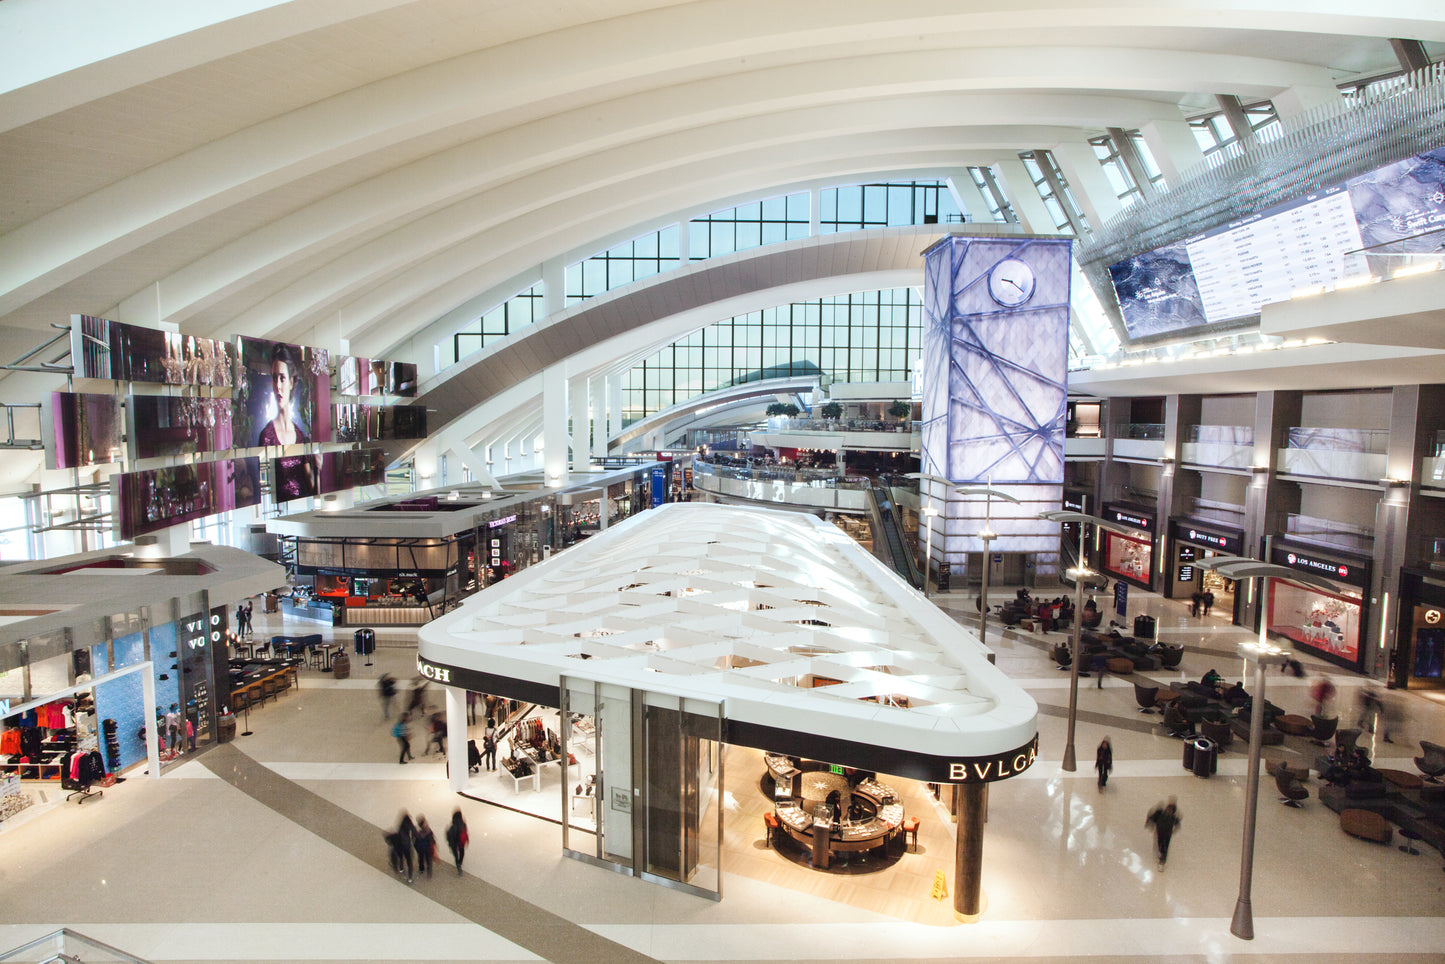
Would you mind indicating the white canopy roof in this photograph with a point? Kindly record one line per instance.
(750, 607)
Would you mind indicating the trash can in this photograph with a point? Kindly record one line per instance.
(225, 728)
(1189, 754)
(1143, 627)
(365, 642)
(341, 665)
(1206, 756)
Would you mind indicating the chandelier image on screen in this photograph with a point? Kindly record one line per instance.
(995, 359)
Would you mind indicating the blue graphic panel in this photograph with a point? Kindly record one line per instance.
(995, 359)
(123, 700)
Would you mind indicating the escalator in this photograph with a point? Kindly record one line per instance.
(888, 543)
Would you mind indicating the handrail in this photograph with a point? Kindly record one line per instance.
(66, 945)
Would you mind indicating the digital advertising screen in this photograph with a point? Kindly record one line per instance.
(161, 425)
(352, 422)
(1229, 273)
(303, 476)
(84, 429)
(156, 498)
(280, 390)
(132, 353)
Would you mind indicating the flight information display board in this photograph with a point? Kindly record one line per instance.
(1229, 273)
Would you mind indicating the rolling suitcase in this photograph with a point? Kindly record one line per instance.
(474, 757)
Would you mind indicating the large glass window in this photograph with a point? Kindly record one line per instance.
(518, 311)
(1214, 135)
(1045, 173)
(871, 336)
(746, 226)
(630, 261)
(860, 206)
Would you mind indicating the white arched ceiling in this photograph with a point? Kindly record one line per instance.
(356, 169)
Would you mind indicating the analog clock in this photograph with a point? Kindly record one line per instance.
(1011, 282)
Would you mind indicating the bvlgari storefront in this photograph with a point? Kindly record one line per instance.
(733, 627)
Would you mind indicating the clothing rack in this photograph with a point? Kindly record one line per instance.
(78, 771)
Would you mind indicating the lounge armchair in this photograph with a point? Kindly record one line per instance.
(1147, 697)
(1323, 729)
(1291, 792)
(1298, 774)
(1170, 656)
(1218, 731)
(1176, 722)
(1432, 762)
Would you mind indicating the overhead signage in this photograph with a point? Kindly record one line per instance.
(1186, 573)
(1186, 553)
(1129, 518)
(1075, 501)
(1214, 539)
(497, 523)
(1352, 573)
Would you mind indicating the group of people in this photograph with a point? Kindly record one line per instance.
(243, 618)
(1201, 602)
(413, 845)
(1047, 614)
(1163, 819)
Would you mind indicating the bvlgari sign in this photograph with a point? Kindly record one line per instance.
(988, 769)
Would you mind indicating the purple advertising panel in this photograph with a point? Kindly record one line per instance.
(302, 476)
(156, 498)
(132, 353)
(280, 391)
(163, 425)
(85, 429)
(353, 422)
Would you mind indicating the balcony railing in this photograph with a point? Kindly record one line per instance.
(1336, 453)
(1223, 446)
(1330, 534)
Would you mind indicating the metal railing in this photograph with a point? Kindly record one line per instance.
(1329, 533)
(68, 946)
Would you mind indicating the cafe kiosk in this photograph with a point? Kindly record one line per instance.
(697, 626)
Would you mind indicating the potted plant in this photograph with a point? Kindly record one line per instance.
(900, 409)
(832, 410)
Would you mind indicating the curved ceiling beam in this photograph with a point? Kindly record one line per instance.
(62, 243)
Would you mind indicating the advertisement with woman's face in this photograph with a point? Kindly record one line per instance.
(280, 389)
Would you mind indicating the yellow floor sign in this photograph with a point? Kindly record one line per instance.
(940, 886)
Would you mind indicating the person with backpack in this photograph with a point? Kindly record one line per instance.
(489, 745)
(457, 839)
(402, 732)
(426, 846)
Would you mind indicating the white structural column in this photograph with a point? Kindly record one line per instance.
(1013, 179)
(614, 404)
(456, 707)
(815, 212)
(148, 706)
(554, 287)
(597, 392)
(554, 425)
(581, 423)
(1091, 187)
(1293, 101)
(1174, 148)
(424, 463)
(970, 199)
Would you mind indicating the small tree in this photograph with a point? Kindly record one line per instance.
(782, 410)
(832, 410)
(900, 409)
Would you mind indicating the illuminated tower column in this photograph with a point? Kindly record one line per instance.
(994, 382)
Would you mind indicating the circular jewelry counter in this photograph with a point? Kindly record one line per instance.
(832, 815)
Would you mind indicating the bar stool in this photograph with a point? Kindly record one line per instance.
(770, 826)
(910, 833)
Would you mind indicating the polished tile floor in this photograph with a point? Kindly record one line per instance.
(270, 849)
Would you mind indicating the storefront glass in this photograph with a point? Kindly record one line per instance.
(1328, 623)
(1127, 557)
